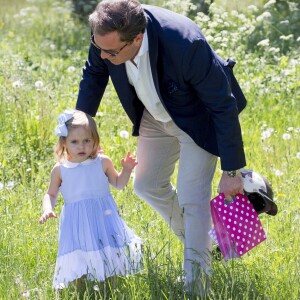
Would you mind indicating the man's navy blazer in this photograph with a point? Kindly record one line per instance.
(197, 88)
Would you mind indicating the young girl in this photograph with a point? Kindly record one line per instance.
(94, 240)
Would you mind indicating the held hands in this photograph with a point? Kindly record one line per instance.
(48, 213)
(129, 162)
(231, 186)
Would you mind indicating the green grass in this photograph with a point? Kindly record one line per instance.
(40, 41)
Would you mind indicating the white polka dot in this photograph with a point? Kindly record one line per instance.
(246, 221)
(243, 240)
(239, 231)
(241, 252)
(242, 246)
(224, 218)
(219, 209)
(253, 244)
(238, 237)
(247, 248)
(232, 235)
(235, 222)
(229, 220)
(249, 235)
(228, 226)
(245, 226)
(258, 240)
(230, 214)
(241, 218)
(225, 211)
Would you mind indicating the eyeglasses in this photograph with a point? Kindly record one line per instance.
(110, 53)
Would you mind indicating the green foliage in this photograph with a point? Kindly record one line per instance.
(42, 51)
(277, 25)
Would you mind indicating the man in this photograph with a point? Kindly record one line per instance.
(183, 101)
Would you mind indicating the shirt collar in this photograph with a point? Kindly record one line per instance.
(70, 165)
(145, 46)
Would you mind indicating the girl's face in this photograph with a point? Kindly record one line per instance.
(79, 144)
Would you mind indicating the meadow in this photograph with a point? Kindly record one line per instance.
(43, 48)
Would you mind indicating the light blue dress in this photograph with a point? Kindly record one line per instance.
(93, 238)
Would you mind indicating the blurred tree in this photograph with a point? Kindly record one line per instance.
(201, 5)
(82, 8)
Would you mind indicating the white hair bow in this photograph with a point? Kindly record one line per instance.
(61, 129)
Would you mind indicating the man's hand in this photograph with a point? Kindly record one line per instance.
(231, 186)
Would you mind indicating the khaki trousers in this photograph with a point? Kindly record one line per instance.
(186, 209)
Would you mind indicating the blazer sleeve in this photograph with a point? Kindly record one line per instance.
(93, 83)
(206, 75)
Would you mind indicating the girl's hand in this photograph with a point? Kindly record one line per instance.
(48, 213)
(129, 162)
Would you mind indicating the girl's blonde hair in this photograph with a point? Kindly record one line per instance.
(79, 119)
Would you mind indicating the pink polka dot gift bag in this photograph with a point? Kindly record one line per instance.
(236, 225)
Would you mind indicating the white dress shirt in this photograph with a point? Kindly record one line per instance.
(140, 76)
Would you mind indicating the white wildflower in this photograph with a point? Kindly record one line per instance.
(298, 155)
(290, 129)
(26, 294)
(263, 16)
(264, 43)
(286, 37)
(17, 84)
(71, 69)
(278, 173)
(18, 280)
(124, 134)
(286, 136)
(1, 186)
(267, 149)
(269, 3)
(10, 185)
(99, 114)
(253, 8)
(96, 288)
(39, 84)
(266, 133)
(52, 47)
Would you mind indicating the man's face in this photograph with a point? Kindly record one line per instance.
(116, 51)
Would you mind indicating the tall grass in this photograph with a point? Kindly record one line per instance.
(42, 50)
